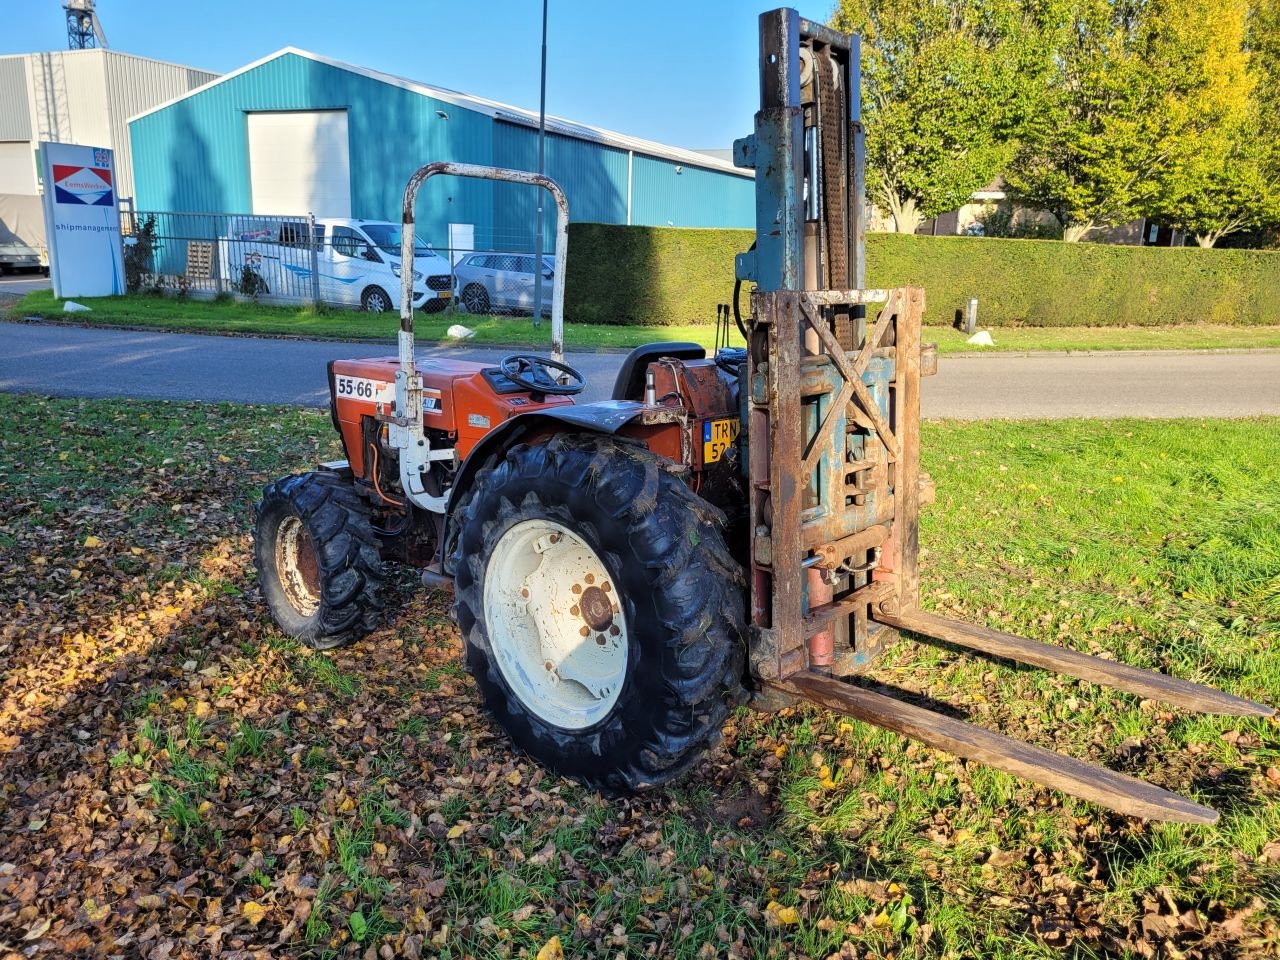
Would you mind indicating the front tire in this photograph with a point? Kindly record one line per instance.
(317, 559)
(601, 611)
(376, 300)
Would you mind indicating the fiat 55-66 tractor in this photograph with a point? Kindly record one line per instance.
(725, 526)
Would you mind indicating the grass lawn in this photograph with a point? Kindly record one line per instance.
(247, 318)
(181, 778)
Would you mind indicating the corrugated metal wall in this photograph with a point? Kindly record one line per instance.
(691, 198)
(134, 84)
(86, 96)
(594, 178)
(193, 156)
(15, 111)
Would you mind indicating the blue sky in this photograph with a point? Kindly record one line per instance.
(682, 73)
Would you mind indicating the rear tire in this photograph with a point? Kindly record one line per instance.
(317, 559)
(677, 595)
(476, 299)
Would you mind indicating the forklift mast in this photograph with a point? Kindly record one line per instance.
(807, 151)
(832, 445)
(832, 411)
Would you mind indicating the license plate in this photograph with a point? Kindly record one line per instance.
(717, 437)
(362, 388)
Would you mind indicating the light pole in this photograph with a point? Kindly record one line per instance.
(542, 135)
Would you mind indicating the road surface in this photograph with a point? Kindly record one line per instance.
(15, 285)
(101, 362)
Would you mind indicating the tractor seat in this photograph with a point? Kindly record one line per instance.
(630, 382)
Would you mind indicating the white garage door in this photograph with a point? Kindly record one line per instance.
(299, 163)
(17, 168)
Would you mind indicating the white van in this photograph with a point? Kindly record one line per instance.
(358, 263)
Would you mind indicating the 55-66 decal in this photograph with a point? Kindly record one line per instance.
(363, 388)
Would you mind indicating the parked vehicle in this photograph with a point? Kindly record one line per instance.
(358, 263)
(488, 282)
(19, 256)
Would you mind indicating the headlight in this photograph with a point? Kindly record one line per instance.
(417, 275)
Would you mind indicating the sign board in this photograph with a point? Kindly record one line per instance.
(82, 221)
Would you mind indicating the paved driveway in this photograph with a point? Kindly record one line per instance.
(20, 284)
(100, 362)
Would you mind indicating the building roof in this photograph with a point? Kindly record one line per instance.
(107, 51)
(499, 111)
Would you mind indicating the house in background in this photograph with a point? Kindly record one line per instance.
(967, 221)
(297, 133)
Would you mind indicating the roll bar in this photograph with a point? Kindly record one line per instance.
(479, 172)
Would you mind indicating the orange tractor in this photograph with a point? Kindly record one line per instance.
(733, 526)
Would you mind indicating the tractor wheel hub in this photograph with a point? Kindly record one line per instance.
(557, 634)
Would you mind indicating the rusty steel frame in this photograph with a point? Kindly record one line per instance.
(854, 526)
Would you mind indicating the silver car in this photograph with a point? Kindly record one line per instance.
(501, 282)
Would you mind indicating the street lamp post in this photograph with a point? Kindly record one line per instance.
(542, 135)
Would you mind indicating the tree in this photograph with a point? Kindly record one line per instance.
(1217, 176)
(1087, 152)
(946, 88)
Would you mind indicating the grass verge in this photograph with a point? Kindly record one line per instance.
(188, 775)
(201, 316)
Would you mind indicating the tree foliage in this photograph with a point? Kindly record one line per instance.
(1216, 176)
(1099, 111)
(946, 88)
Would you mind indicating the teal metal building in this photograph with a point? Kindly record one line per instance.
(297, 133)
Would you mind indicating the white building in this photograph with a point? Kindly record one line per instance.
(79, 96)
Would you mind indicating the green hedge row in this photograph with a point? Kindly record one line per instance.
(664, 275)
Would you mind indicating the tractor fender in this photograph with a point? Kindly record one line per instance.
(606, 417)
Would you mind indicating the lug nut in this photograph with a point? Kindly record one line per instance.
(574, 611)
(549, 665)
(605, 586)
(614, 631)
(590, 578)
(601, 640)
(584, 631)
(577, 588)
(524, 592)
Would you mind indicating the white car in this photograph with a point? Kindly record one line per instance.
(358, 263)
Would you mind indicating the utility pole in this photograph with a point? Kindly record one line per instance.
(538, 267)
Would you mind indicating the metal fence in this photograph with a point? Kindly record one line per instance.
(302, 260)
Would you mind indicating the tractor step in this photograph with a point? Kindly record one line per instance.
(1119, 676)
(1099, 785)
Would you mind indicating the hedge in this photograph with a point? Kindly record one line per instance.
(664, 275)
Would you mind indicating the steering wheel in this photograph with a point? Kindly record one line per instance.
(542, 375)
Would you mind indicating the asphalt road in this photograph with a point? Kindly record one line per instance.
(19, 284)
(98, 362)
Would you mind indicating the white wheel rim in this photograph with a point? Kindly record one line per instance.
(556, 628)
(296, 565)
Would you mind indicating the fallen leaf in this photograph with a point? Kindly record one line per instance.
(41, 927)
(253, 912)
(92, 541)
(779, 915)
(95, 911)
(551, 950)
